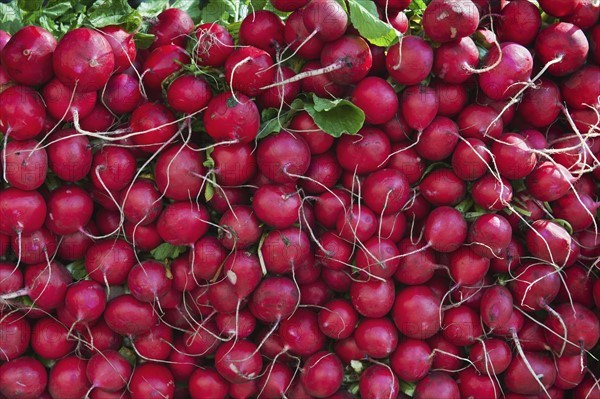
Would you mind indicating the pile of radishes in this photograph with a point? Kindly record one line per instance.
(180, 221)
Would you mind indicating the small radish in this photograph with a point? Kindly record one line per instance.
(489, 234)
(188, 94)
(370, 91)
(22, 114)
(248, 69)
(283, 94)
(275, 299)
(531, 376)
(23, 378)
(70, 208)
(25, 163)
(153, 125)
(437, 385)
(378, 381)
(438, 140)
(411, 361)
(448, 20)
(322, 374)
(264, 30)
(232, 118)
(122, 94)
(365, 152)
(238, 361)
(573, 328)
(108, 371)
(16, 333)
(461, 325)
(455, 60)
(183, 223)
(436, 229)
(122, 44)
(471, 159)
(179, 172)
(148, 281)
(349, 57)
(173, 25)
(21, 212)
(421, 324)
(214, 45)
(128, 316)
(50, 339)
(240, 229)
(151, 381)
(513, 156)
(67, 378)
(64, 104)
(205, 382)
(496, 306)
(377, 337)
(526, 29)
(490, 356)
(565, 43)
(480, 122)
(410, 60)
(297, 37)
(548, 241)
(492, 193)
(109, 261)
(326, 18)
(505, 74)
(443, 188)
(162, 62)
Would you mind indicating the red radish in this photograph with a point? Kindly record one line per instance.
(296, 36)
(386, 191)
(520, 22)
(461, 325)
(471, 384)
(240, 228)
(535, 286)
(207, 382)
(490, 356)
(438, 140)
(16, 333)
(183, 223)
(172, 26)
(215, 44)
(238, 361)
(579, 89)
(448, 20)
(141, 202)
(100, 119)
(320, 84)
(329, 205)
(275, 381)
(455, 60)
(565, 43)
(585, 15)
(83, 59)
(151, 381)
(471, 159)
(492, 193)
(128, 316)
(378, 381)
(349, 57)
(549, 181)
(541, 104)
(23, 113)
(70, 208)
(407, 161)
(568, 372)
(508, 74)
(366, 152)
(280, 95)
(318, 141)
(162, 62)
(417, 264)
(154, 344)
(283, 157)
(322, 374)
(442, 187)
(578, 329)
(358, 224)
(419, 105)
(207, 257)
(179, 172)
(27, 56)
(421, 324)
(26, 164)
(69, 155)
(22, 212)
(246, 324)
(410, 60)
(285, 250)
(513, 156)
(453, 97)
(264, 30)
(467, 268)
(588, 389)
(437, 385)
(109, 261)
(436, 227)
(323, 173)
(370, 91)
(108, 371)
(232, 118)
(85, 301)
(489, 234)
(300, 333)
(64, 104)
(447, 356)
(337, 319)
(122, 44)
(559, 8)
(480, 122)
(67, 378)
(122, 94)
(274, 299)
(548, 241)
(363, 294)
(148, 281)
(23, 378)
(577, 209)
(496, 306)
(326, 18)
(248, 69)
(411, 361)
(153, 125)
(188, 94)
(377, 337)
(519, 379)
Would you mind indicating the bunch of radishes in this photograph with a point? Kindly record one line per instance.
(185, 221)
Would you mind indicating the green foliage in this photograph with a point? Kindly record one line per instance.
(167, 251)
(364, 17)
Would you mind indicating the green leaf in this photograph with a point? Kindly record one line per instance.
(336, 117)
(407, 388)
(10, 17)
(109, 12)
(219, 11)
(143, 40)
(77, 270)
(30, 5)
(364, 17)
(167, 251)
(192, 7)
(57, 9)
(151, 8)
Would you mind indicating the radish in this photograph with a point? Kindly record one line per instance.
(322, 174)
(284, 250)
(123, 46)
(447, 356)
(22, 114)
(337, 319)
(418, 325)
(207, 382)
(99, 119)
(108, 371)
(274, 299)
(151, 381)
(232, 118)
(264, 30)
(378, 381)
(471, 159)
(358, 224)
(492, 193)
(579, 89)
(372, 89)
(172, 26)
(248, 69)
(520, 22)
(386, 191)
(162, 62)
(283, 158)
(449, 20)
(148, 281)
(558, 8)
(109, 261)
(467, 268)
(437, 385)
(366, 152)
(563, 43)
(128, 316)
(26, 164)
(22, 212)
(572, 329)
(419, 105)
(505, 74)
(411, 361)
(69, 155)
(122, 94)
(489, 234)
(214, 44)
(576, 208)
(530, 377)
(238, 361)
(548, 241)
(288, 5)
(23, 378)
(188, 94)
(541, 104)
(349, 58)
(452, 97)
(377, 337)
(513, 156)
(64, 104)
(183, 223)
(27, 56)
(410, 60)
(490, 356)
(322, 374)
(297, 37)
(67, 378)
(70, 208)
(154, 125)
(154, 344)
(83, 59)
(461, 325)
(496, 306)
(436, 227)
(480, 122)
(241, 228)
(16, 333)
(471, 384)
(569, 373)
(300, 333)
(179, 172)
(455, 60)
(141, 203)
(535, 286)
(317, 82)
(275, 381)
(326, 18)
(417, 264)
(363, 294)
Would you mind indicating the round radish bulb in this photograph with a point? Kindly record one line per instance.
(490, 356)
(127, 316)
(411, 361)
(548, 241)
(437, 385)
(436, 228)
(379, 257)
(325, 17)
(442, 187)
(472, 384)
(454, 60)
(386, 191)
(496, 306)
(549, 181)
(489, 234)
(480, 122)
(378, 381)
(85, 301)
(100, 119)
(109, 261)
(337, 319)
(363, 294)
(580, 90)
(122, 44)
(240, 228)
(438, 140)
(283, 157)
(25, 163)
(514, 157)
(67, 378)
(365, 152)
(188, 94)
(300, 333)
(492, 193)
(108, 371)
(285, 250)
(350, 56)
(324, 172)
(215, 44)
(173, 25)
(536, 286)
(576, 208)
(162, 63)
(418, 324)
(558, 8)
(274, 299)
(541, 104)
(141, 202)
(277, 205)
(419, 106)
(153, 125)
(70, 208)
(296, 36)
(371, 91)
(22, 114)
(275, 381)
(520, 22)
(206, 382)
(564, 42)
(520, 380)
(505, 79)
(264, 30)
(183, 223)
(27, 56)
(453, 97)
(16, 333)
(238, 361)
(410, 60)
(122, 94)
(417, 264)
(280, 95)
(377, 337)
(568, 372)
(151, 381)
(63, 104)
(449, 20)
(471, 159)
(248, 69)
(84, 60)
(322, 374)
(23, 378)
(148, 281)
(461, 325)
(581, 325)
(232, 118)
(179, 172)
(51, 339)
(21, 212)
(358, 223)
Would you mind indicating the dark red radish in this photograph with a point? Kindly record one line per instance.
(288, 5)
(108, 371)
(264, 30)
(284, 250)
(576, 208)
(277, 205)
(573, 328)
(520, 22)
(443, 188)
(109, 261)
(541, 104)
(11, 278)
(318, 141)
(374, 90)
(535, 139)
(274, 299)
(397, 129)
(436, 228)
(419, 106)
(438, 385)
(449, 20)
(153, 125)
(203, 339)
(461, 325)
(347, 350)
(179, 172)
(510, 257)
(417, 264)
(99, 337)
(122, 94)
(492, 193)
(489, 234)
(358, 224)
(418, 324)
(377, 337)
(188, 94)
(23, 378)
(480, 122)
(232, 118)
(69, 155)
(141, 202)
(16, 334)
(183, 223)
(21, 212)
(535, 286)
(148, 281)
(67, 378)
(280, 96)
(411, 361)
(329, 205)
(284, 157)
(578, 287)
(318, 83)
(386, 191)
(128, 316)
(70, 208)
(438, 140)
(580, 89)
(378, 381)
(569, 373)
(560, 8)
(240, 228)
(214, 45)
(322, 174)
(520, 379)
(348, 57)
(46, 284)
(410, 60)
(64, 104)
(515, 324)
(447, 356)
(316, 293)
(490, 356)
(25, 164)
(27, 56)
(365, 152)
(562, 42)
(407, 161)
(548, 241)
(99, 120)
(162, 62)
(327, 18)
(393, 226)
(297, 37)
(496, 306)
(471, 159)
(155, 344)
(275, 381)
(207, 382)
(248, 69)
(372, 298)
(585, 15)
(514, 157)
(471, 384)
(23, 113)
(322, 374)
(510, 71)
(240, 325)
(83, 59)
(337, 319)
(144, 238)
(588, 389)
(466, 268)
(123, 46)
(300, 333)
(455, 60)
(238, 362)
(151, 381)
(225, 197)
(378, 257)
(172, 26)
(453, 97)
(85, 301)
